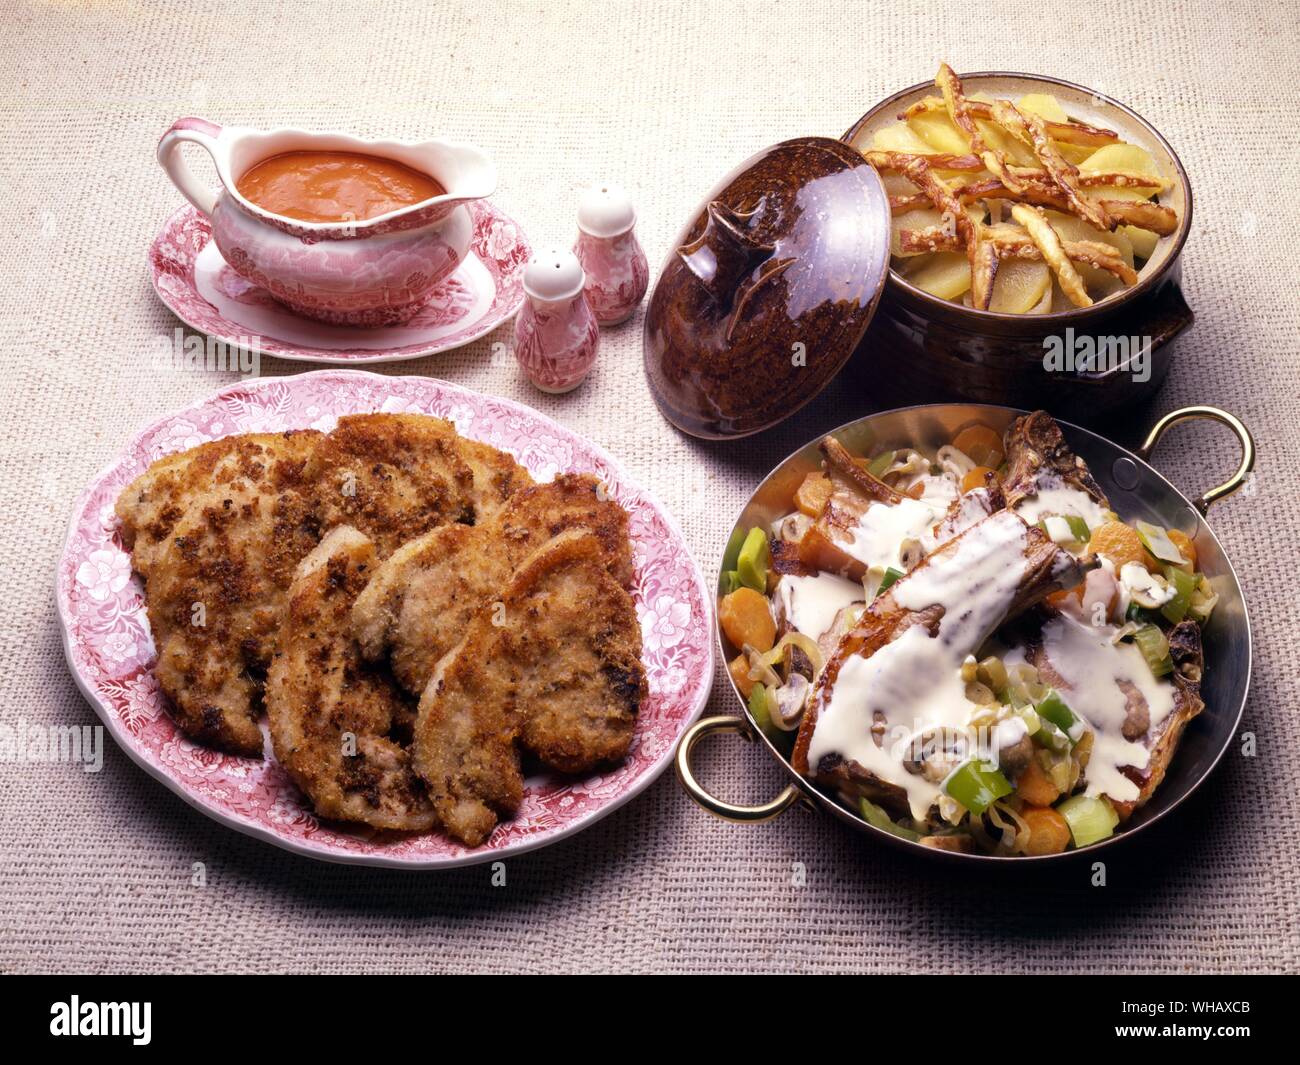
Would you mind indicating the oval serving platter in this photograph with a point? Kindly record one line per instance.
(109, 649)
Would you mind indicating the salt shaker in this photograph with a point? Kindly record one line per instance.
(556, 334)
(607, 248)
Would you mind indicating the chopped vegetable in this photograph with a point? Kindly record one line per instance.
(1183, 584)
(759, 707)
(732, 552)
(1051, 737)
(1185, 546)
(976, 478)
(982, 445)
(1145, 587)
(1065, 529)
(785, 704)
(1156, 540)
(728, 582)
(891, 575)
(812, 494)
(1203, 601)
(877, 818)
(1049, 832)
(992, 672)
(976, 785)
(738, 667)
(1155, 649)
(1090, 819)
(877, 466)
(1034, 786)
(753, 560)
(799, 653)
(1051, 707)
(1120, 543)
(746, 618)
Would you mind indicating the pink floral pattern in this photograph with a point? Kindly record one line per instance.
(110, 652)
(498, 243)
(617, 274)
(556, 342)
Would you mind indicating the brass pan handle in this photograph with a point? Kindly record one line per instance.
(726, 810)
(1214, 414)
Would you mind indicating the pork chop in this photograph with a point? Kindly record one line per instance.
(394, 477)
(337, 723)
(214, 585)
(552, 668)
(421, 599)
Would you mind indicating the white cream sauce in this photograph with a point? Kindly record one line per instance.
(884, 529)
(810, 604)
(1054, 496)
(1091, 667)
(915, 681)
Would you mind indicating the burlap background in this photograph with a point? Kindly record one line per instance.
(663, 97)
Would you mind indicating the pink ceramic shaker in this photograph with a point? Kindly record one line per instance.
(616, 267)
(556, 335)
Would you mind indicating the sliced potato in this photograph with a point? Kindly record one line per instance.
(900, 138)
(1143, 240)
(1122, 159)
(937, 130)
(922, 218)
(896, 184)
(1044, 105)
(1020, 286)
(946, 275)
(1071, 227)
(1074, 153)
(1013, 149)
(1100, 282)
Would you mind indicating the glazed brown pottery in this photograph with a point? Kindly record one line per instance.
(768, 290)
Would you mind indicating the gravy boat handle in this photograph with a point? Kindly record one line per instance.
(189, 131)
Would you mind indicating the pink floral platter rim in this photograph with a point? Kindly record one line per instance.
(109, 650)
(499, 246)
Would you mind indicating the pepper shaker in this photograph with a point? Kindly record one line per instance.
(616, 267)
(556, 334)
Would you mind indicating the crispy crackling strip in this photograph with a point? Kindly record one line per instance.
(1067, 132)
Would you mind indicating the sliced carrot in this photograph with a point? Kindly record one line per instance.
(980, 444)
(811, 496)
(1185, 546)
(977, 478)
(738, 667)
(1048, 831)
(1034, 787)
(1121, 544)
(747, 619)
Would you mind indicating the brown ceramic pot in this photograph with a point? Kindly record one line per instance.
(921, 348)
(768, 289)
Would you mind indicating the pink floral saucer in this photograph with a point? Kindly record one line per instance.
(110, 652)
(194, 281)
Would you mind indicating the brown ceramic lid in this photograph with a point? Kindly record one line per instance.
(768, 290)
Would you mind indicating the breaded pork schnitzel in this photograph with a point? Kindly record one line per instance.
(337, 723)
(217, 531)
(396, 476)
(421, 599)
(215, 582)
(151, 505)
(553, 667)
